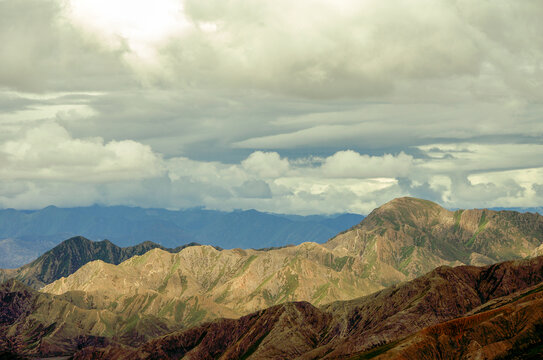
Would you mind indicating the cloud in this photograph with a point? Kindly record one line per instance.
(265, 165)
(254, 189)
(42, 51)
(312, 106)
(353, 165)
(128, 172)
(48, 152)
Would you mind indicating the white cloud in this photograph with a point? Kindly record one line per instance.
(48, 152)
(353, 165)
(265, 164)
(439, 99)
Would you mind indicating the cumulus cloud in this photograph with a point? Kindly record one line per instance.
(48, 152)
(351, 164)
(312, 106)
(130, 173)
(266, 165)
(254, 189)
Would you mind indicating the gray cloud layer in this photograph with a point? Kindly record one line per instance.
(312, 107)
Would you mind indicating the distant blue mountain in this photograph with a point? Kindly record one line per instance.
(520, 209)
(25, 235)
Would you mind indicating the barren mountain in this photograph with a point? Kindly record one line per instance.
(510, 328)
(67, 257)
(240, 280)
(34, 323)
(409, 236)
(397, 242)
(370, 326)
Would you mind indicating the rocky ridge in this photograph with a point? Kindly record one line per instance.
(67, 257)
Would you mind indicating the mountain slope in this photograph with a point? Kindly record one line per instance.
(240, 280)
(355, 328)
(397, 242)
(67, 257)
(512, 328)
(413, 236)
(26, 234)
(34, 323)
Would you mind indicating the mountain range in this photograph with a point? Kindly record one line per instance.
(367, 289)
(24, 235)
(411, 320)
(67, 257)
(462, 312)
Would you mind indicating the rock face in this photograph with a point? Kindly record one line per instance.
(373, 325)
(67, 257)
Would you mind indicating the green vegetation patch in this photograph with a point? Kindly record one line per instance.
(290, 286)
(406, 251)
(482, 224)
(406, 254)
(222, 296)
(376, 351)
(150, 300)
(174, 268)
(131, 323)
(179, 311)
(128, 301)
(245, 265)
(338, 263)
(139, 259)
(167, 309)
(196, 314)
(262, 284)
(320, 293)
(457, 217)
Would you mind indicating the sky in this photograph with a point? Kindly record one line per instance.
(302, 107)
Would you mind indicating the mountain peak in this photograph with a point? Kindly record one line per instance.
(76, 240)
(409, 202)
(405, 210)
(71, 254)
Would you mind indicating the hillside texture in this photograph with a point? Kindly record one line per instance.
(399, 241)
(404, 239)
(377, 325)
(66, 258)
